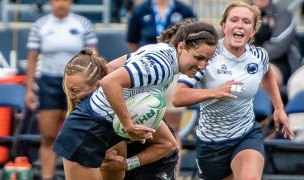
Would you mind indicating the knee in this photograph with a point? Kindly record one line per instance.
(48, 140)
(250, 176)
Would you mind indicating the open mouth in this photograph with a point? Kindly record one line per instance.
(193, 70)
(238, 35)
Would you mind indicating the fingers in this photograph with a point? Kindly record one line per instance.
(235, 82)
(146, 129)
(111, 153)
(287, 132)
(143, 137)
(115, 158)
(236, 88)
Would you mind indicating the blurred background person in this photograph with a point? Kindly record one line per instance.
(57, 37)
(151, 17)
(148, 20)
(294, 86)
(277, 35)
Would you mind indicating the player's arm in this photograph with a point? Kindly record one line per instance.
(113, 85)
(162, 144)
(32, 58)
(270, 85)
(195, 96)
(116, 63)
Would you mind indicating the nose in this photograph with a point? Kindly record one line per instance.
(202, 65)
(239, 24)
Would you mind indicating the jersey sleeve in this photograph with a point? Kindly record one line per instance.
(191, 82)
(265, 61)
(90, 36)
(149, 68)
(34, 38)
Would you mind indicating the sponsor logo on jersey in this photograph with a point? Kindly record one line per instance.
(223, 70)
(145, 64)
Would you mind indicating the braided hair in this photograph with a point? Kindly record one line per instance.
(88, 62)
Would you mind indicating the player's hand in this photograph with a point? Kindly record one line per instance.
(280, 118)
(114, 162)
(226, 89)
(30, 100)
(139, 132)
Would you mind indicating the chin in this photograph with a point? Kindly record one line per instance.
(190, 75)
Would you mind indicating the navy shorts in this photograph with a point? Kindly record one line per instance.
(214, 160)
(85, 136)
(50, 93)
(163, 169)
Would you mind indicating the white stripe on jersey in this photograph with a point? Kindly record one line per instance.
(226, 119)
(151, 69)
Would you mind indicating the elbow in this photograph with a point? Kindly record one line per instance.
(170, 147)
(104, 82)
(177, 102)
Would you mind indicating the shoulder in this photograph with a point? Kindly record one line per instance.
(257, 51)
(80, 18)
(219, 49)
(259, 54)
(142, 7)
(41, 21)
(278, 10)
(180, 6)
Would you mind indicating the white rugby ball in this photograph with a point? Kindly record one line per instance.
(146, 109)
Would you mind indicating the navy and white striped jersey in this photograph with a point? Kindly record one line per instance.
(58, 40)
(151, 69)
(227, 119)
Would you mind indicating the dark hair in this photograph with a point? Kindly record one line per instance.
(193, 33)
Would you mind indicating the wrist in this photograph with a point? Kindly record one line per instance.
(133, 162)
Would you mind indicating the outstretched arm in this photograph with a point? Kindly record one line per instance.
(195, 96)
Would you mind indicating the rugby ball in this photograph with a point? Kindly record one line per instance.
(146, 109)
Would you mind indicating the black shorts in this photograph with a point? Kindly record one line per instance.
(214, 160)
(50, 93)
(85, 136)
(163, 169)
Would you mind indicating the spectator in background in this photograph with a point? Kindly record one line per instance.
(148, 20)
(151, 17)
(57, 37)
(295, 85)
(278, 36)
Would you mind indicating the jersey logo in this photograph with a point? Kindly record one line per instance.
(74, 31)
(223, 70)
(252, 68)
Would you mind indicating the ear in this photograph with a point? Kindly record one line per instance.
(180, 47)
(222, 24)
(253, 33)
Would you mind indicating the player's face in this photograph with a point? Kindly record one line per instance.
(61, 8)
(238, 28)
(77, 88)
(193, 60)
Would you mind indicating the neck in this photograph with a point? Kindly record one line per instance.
(162, 3)
(236, 51)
